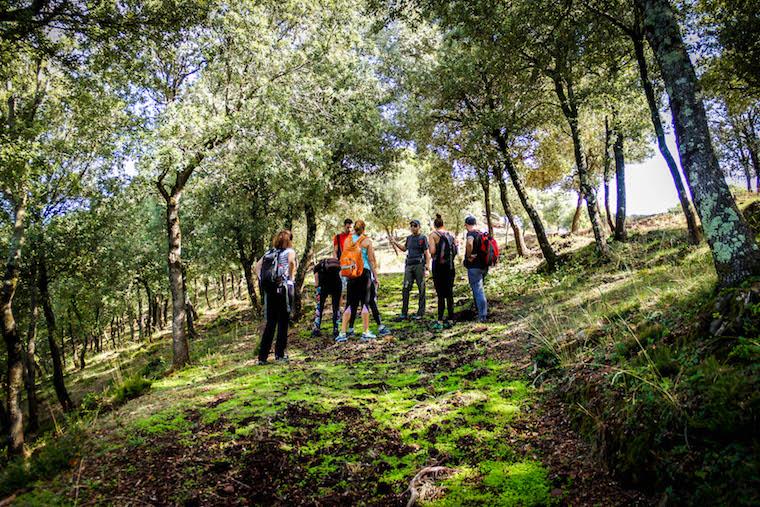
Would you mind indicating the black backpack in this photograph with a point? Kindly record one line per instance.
(447, 250)
(272, 275)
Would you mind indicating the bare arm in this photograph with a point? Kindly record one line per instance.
(292, 265)
(371, 254)
(398, 245)
(336, 240)
(257, 268)
(432, 244)
(468, 250)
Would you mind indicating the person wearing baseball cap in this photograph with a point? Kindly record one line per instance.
(416, 267)
(476, 268)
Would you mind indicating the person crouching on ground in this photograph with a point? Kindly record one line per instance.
(359, 247)
(328, 284)
(476, 268)
(276, 272)
(443, 250)
(416, 268)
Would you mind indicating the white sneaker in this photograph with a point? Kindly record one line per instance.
(369, 335)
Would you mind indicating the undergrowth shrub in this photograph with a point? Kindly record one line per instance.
(55, 455)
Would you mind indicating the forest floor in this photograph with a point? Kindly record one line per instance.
(354, 423)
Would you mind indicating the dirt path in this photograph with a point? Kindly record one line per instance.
(347, 424)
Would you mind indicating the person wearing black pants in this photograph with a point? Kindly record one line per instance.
(371, 303)
(443, 250)
(277, 317)
(278, 299)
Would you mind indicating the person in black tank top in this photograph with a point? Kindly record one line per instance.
(443, 251)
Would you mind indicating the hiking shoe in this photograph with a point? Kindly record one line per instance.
(336, 331)
(447, 324)
(369, 335)
(316, 332)
(283, 359)
(350, 333)
(438, 326)
(400, 318)
(341, 338)
(417, 317)
(482, 320)
(261, 362)
(382, 330)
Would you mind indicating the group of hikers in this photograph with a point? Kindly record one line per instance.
(349, 278)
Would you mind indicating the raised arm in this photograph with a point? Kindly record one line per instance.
(398, 245)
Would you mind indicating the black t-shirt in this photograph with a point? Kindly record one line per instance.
(416, 246)
(478, 262)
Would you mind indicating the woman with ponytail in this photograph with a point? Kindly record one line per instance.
(443, 250)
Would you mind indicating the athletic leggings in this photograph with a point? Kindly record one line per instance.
(443, 281)
(334, 293)
(370, 301)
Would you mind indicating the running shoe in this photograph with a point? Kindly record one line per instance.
(383, 330)
(369, 335)
(341, 338)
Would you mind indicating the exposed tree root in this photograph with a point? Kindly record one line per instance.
(433, 472)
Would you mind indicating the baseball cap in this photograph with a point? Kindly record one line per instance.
(470, 220)
(414, 222)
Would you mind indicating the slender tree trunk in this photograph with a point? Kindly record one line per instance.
(535, 218)
(11, 336)
(577, 215)
(486, 187)
(205, 292)
(752, 147)
(620, 232)
(140, 331)
(522, 249)
(224, 288)
(247, 262)
(189, 310)
(570, 110)
(735, 253)
(31, 350)
(695, 234)
(607, 164)
(303, 266)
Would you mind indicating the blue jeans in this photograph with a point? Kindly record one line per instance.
(476, 276)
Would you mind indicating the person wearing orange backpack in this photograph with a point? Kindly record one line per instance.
(477, 269)
(356, 264)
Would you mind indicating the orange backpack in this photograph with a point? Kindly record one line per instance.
(351, 262)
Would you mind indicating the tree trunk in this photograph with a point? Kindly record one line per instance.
(303, 266)
(620, 233)
(695, 234)
(11, 336)
(181, 348)
(31, 348)
(140, 330)
(189, 310)
(607, 164)
(577, 215)
(224, 288)
(522, 249)
(735, 253)
(247, 262)
(486, 187)
(535, 218)
(205, 292)
(752, 147)
(570, 110)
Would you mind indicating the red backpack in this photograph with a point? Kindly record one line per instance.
(488, 249)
